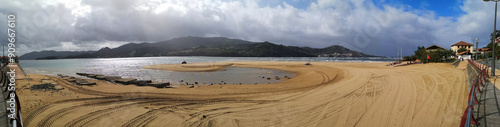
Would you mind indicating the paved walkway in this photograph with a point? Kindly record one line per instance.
(462, 65)
(488, 112)
(19, 72)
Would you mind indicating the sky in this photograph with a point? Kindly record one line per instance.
(376, 27)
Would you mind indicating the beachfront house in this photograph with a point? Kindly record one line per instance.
(468, 46)
(464, 55)
(434, 48)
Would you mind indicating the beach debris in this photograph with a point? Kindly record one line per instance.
(268, 78)
(191, 86)
(46, 86)
(277, 77)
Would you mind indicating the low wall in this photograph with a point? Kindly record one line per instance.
(472, 73)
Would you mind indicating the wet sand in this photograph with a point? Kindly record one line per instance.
(196, 67)
(323, 94)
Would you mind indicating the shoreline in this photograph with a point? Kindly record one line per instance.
(220, 66)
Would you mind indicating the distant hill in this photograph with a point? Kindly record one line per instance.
(51, 53)
(214, 46)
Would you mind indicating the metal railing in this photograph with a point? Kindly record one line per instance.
(16, 120)
(478, 83)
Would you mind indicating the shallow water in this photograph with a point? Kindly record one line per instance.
(232, 75)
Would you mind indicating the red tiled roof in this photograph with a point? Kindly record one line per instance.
(484, 49)
(462, 52)
(462, 43)
(434, 47)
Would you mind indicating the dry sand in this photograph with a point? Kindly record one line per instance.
(324, 94)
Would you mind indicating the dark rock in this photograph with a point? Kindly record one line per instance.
(142, 82)
(159, 85)
(125, 81)
(82, 74)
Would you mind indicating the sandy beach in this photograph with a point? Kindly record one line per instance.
(323, 94)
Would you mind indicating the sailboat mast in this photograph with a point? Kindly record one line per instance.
(398, 52)
(401, 52)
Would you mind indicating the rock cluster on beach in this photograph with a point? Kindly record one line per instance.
(46, 86)
(76, 80)
(126, 81)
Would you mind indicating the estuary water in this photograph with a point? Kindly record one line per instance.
(132, 68)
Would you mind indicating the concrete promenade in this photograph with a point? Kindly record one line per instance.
(488, 112)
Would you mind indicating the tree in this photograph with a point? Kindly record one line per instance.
(421, 54)
(409, 58)
(497, 51)
(436, 56)
(461, 50)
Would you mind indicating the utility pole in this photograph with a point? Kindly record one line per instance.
(3, 53)
(493, 39)
(477, 44)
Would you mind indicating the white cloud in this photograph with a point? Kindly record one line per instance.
(356, 24)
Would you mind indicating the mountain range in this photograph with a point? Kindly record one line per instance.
(200, 46)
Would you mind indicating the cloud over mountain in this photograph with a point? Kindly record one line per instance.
(375, 27)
